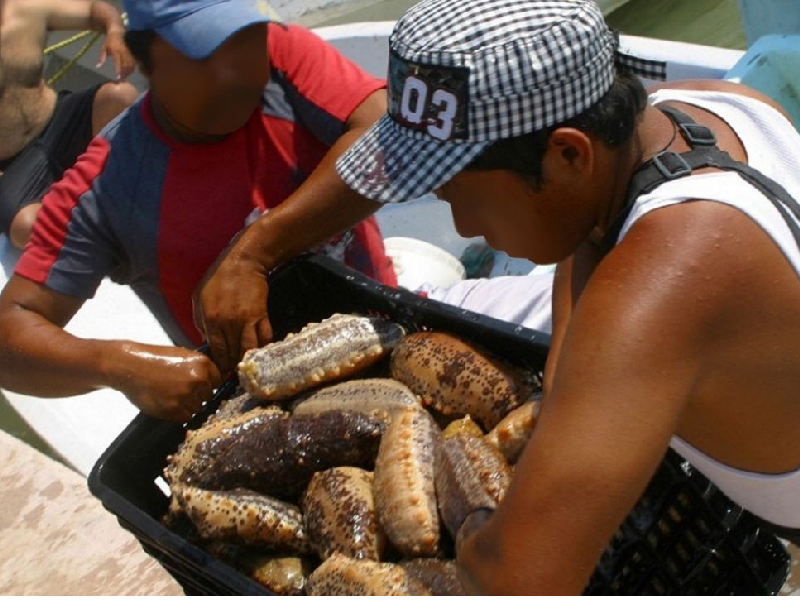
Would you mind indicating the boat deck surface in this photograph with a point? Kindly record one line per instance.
(57, 539)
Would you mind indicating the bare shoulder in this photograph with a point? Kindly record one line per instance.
(23, 14)
(688, 258)
(719, 85)
(37, 12)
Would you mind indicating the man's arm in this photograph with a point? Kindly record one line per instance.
(632, 352)
(60, 15)
(570, 279)
(231, 305)
(39, 358)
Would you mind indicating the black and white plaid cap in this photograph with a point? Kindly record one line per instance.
(464, 73)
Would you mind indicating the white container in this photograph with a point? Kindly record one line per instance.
(417, 262)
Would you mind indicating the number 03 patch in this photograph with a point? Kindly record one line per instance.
(429, 99)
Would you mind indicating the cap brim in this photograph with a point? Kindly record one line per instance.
(198, 34)
(389, 163)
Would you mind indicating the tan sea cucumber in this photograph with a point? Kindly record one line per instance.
(321, 352)
(240, 404)
(513, 432)
(470, 474)
(464, 426)
(279, 573)
(339, 510)
(458, 378)
(438, 575)
(405, 495)
(244, 517)
(368, 396)
(285, 575)
(343, 576)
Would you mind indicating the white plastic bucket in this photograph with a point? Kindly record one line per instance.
(417, 262)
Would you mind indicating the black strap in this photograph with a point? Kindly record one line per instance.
(669, 165)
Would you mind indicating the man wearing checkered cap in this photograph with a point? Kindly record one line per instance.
(674, 224)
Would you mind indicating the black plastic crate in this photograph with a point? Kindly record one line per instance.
(683, 537)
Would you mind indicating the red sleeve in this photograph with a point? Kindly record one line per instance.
(50, 232)
(320, 73)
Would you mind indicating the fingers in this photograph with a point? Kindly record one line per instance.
(202, 393)
(249, 337)
(264, 332)
(128, 65)
(103, 57)
(215, 378)
(218, 348)
(197, 315)
(117, 64)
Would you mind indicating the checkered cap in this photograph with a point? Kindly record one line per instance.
(464, 73)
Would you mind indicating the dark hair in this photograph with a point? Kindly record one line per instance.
(612, 119)
(139, 42)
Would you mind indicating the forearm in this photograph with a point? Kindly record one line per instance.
(105, 18)
(322, 208)
(491, 562)
(39, 358)
(80, 14)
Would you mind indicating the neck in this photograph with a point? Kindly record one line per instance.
(175, 129)
(654, 134)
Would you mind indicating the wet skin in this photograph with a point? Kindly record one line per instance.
(194, 101)
(689, 326)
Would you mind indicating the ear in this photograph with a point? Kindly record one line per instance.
(571, 149)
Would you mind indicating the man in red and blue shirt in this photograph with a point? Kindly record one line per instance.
(244, 118)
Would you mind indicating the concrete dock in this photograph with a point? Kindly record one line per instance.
(57, 539)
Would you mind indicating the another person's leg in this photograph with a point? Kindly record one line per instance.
(109, 101)
(22, 185)
(77, 118)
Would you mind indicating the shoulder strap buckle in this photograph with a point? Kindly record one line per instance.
(698, 135)
(671, 165)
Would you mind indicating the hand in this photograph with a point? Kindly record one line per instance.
(115, 47)
(230, 308)
(473, 521)
(167, 383)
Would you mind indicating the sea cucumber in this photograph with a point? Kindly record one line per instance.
(458, 378)
(245, 517)
(339, 510)
(343, 576)
(321, 352)
(405, 495)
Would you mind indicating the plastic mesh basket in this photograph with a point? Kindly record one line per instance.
(683, 537)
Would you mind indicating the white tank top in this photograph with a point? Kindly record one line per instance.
(773, 147)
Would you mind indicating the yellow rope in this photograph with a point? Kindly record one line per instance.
(63, 43)
(73, 61)
(81, 53)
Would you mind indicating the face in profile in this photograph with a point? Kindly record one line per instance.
(544, 220)
(218, 94)
(510, 212)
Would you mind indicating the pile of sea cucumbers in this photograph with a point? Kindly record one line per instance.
(322, 478)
